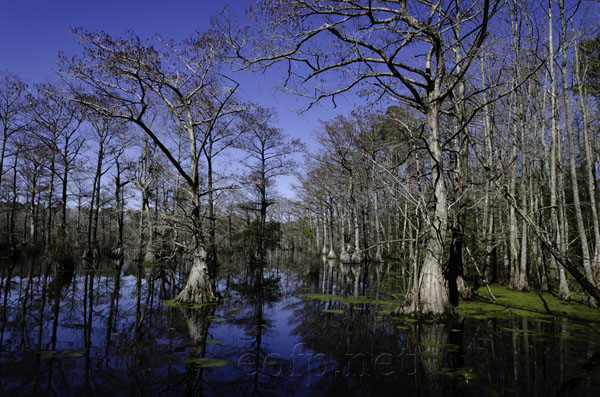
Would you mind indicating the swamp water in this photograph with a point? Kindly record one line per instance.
(87, 333)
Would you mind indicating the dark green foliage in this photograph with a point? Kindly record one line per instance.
(590, 54)
(308, 232)
(250, 235)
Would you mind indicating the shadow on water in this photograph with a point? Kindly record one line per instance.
(109, 329)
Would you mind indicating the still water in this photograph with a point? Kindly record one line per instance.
(90, 333)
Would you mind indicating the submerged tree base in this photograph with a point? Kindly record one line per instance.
(409, 308)
(430, 298)
(200, 288)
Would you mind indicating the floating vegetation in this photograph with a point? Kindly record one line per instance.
(174, 303)
(338, 311)
(206, 362)
(346, 300)
(73, 353)
(520, 331)
(464, 373)
(447, 347)
(47, 354)
(213, 342)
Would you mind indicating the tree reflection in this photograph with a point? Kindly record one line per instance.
(197, 321)
(81, 333)
(258, 365)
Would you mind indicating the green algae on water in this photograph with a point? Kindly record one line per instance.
(47, 354)
(346, 300)
(206, 362)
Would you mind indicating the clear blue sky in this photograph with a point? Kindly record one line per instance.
(33, 31)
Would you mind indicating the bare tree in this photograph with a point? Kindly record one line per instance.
(55, 122)
(396, 49)
(268, 156)
(12, 111)
(143, 81)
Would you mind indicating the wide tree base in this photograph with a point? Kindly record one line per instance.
(430, 298)
(410, 308)
(200, 288)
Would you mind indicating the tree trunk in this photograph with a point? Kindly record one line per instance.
(200, 287)
(572, 168)
(431, 296)
(212, 239)
(50, 203)
(378, 256)
(554, 152)
(589, 163)
(32, 211)
(13, 210)
(522, 284)
(3, 152)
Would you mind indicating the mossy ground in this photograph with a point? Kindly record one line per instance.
(527, 304)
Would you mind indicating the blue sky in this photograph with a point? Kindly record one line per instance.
(33, 31)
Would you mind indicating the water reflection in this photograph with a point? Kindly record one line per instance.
(197, 321)
(106, 329)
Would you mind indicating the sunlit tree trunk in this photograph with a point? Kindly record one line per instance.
(431, 296)
(564, 292)
(589, 160)
(570, 138)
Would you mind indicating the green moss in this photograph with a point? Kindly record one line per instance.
(73, 353)
(152, 263)
(535, 304)
(206, 362)
(333, 311)
(174, 303)
(46, 354)
(466, 374)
